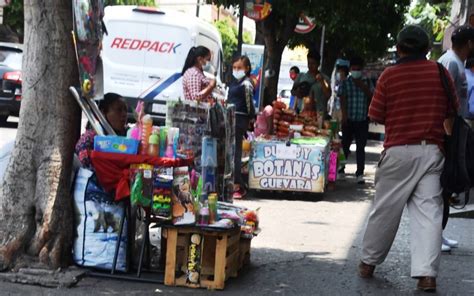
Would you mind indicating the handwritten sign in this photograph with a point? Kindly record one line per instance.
(276, 166)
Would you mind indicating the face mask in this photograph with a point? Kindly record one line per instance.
(338, 76)
(356, 74)
(238, 74)
(207, 67)
(293, 76)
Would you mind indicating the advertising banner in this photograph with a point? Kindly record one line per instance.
(258, 10)
(297, 168)
(256, 54)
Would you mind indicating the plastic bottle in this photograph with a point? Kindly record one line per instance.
(147, 128)
(154, 145)
(212, 201)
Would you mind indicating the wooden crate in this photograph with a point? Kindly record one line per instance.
(244, 252)
(220, 258)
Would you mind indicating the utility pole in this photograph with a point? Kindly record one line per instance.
(198, 6)
(241, 27)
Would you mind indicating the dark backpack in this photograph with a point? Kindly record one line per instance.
(217, 120)
(458, 172)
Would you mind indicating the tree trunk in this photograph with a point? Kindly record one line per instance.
(36, 217)
(277, 32)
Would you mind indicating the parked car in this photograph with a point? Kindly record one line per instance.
(10, 80)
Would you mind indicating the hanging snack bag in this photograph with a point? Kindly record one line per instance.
(162, 198)
(194, 260)
(183, 208)
(141, 180)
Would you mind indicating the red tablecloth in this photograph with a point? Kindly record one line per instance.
(113, 169)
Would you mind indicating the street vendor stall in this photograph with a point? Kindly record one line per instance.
(171, 178)
(300, 154)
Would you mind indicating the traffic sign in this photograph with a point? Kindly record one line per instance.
(305, 24)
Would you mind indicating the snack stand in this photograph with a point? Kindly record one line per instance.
(301, 155)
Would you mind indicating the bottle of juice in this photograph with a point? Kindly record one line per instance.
(147, 128)
(154, 145)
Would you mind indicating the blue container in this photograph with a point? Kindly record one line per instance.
(116, 144)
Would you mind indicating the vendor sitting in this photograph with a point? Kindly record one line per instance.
(114, 107)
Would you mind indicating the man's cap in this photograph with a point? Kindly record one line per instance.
(414, 36)
(463, 34)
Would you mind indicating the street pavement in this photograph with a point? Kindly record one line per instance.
(310, 245)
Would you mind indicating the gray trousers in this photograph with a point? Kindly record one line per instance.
(407, 175)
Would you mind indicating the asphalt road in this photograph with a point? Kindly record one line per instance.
(309, 245)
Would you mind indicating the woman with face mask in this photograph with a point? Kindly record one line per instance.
(241, 95)
(196, 86)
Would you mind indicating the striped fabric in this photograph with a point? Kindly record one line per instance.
(410, 100)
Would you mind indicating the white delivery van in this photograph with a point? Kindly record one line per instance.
(144, 52)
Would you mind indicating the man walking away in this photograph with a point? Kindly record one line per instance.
(454, 59)
(412, 103)
(355, 93)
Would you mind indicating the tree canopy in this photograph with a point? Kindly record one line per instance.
(13, 15)
(365, 27)
(434, 17)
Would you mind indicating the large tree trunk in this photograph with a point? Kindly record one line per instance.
(36, 217)
(276, 33)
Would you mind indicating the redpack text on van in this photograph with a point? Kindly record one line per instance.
(137, 44)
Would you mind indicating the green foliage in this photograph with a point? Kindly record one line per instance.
(363, 27)
(367, 27)
(13, 16)
(130, 2)
(433, 17)
(248, 38)
(229, 38)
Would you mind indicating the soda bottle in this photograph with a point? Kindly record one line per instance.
(154, 145)
(147, 128)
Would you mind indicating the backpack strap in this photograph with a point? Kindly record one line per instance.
(451, 100)
(445, 83)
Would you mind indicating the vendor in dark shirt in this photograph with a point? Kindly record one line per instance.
(241, 95)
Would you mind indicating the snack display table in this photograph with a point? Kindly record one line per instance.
(298, 165)
(202, 257)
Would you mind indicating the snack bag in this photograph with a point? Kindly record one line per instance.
(182, 199)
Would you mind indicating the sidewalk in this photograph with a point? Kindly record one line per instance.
(310, 245)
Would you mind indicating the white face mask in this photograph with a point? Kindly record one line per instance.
(207, 67)
(238, 74)
(338, 76)
(356, 74)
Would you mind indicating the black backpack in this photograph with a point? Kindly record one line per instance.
(458, 172)
(217, 120)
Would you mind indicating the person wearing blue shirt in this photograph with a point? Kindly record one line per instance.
(470, 85)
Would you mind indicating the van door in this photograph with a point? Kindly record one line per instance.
(164, 62)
